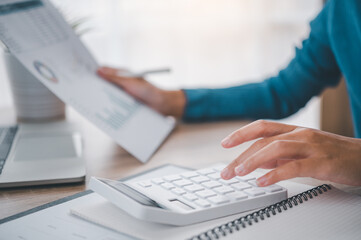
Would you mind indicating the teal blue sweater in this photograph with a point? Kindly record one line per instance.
(332, 48)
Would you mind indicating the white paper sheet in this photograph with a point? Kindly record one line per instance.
(44, 43)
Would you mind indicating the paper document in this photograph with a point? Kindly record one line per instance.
(38, 36)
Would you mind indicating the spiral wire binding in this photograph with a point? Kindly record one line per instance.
(242, 222)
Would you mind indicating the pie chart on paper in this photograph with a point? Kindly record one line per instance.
(45, 72)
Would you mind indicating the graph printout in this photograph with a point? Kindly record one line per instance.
(38, 36)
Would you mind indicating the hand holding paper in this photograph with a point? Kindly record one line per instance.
(169, 103)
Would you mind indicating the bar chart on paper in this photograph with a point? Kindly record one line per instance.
(115, 117)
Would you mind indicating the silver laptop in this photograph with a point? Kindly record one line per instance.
(38, 154)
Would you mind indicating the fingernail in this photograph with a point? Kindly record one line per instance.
(261, 181)
(240, 170)
(226, 173)
(226, 141)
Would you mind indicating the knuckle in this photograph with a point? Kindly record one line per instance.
(261, 123)
(307, 132)
(260, 143)
(279, 144)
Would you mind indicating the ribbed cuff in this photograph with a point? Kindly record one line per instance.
(196, 104)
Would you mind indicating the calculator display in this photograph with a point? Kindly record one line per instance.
(131, 193)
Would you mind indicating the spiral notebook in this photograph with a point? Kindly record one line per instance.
(323, 212)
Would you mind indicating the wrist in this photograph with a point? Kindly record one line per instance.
(173, 103)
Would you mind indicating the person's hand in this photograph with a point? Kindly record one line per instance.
(165, 102)
(294, 152)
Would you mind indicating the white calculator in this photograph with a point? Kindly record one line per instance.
(189, 197)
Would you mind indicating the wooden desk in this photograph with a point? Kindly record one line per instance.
(191, 145)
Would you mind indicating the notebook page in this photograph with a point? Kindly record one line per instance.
(331, 215)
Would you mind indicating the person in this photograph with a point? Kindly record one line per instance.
(332, 48)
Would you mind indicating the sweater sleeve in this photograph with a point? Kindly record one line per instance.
(312, 69)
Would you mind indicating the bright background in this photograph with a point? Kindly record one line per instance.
(207, 43)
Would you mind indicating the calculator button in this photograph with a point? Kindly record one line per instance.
(189, 174)
(237, 195)
(193, 188)
(272, 188)
(254, 192)
(219, 168)
(228, 182)
(190, 197)
(172, 178)
(223, 190)
(211, 184)
(167, 186)
(241, 186)
(205, 193)
(202, 203)
(215, 176)
(145, 184)
(218, 200)
(182, 183)
(253, 183)
(206, 171)
(157, 181)
(200, 179)
(178, 191)
(248, 177)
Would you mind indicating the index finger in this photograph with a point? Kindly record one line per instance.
(254, 130)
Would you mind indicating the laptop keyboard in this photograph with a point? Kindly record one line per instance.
(7, 135)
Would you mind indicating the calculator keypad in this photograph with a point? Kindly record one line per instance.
(205, 188)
